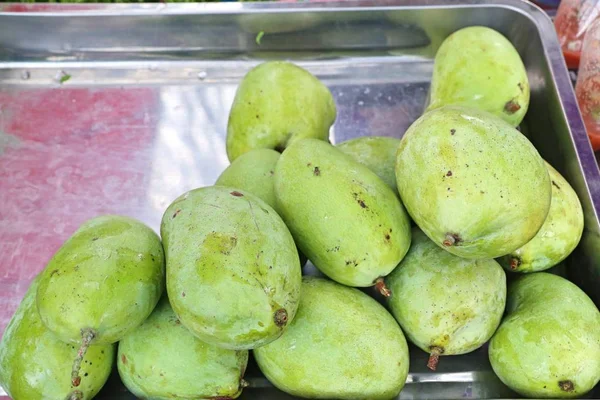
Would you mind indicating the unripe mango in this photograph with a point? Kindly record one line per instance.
(35, 365)
(548, 345)
(473, 183)
(233, 272)
(103, 282)
(162, 360)
(346, 220)
(342, 345)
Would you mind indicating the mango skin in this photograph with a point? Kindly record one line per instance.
(108, 276)
(550, 335)
(558, 236)
(233, 269)
(471, 182)
(34, 364)
(378, 153)
(341, 345)
(444, 301)
(346, 220)
(478, 67)
(253, 172)
(276, 104)
(162, 360)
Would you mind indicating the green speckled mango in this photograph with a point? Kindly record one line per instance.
(376, 152)
(233, 273)
(342, 345)
(471, 182)
(346, 220)
(35, 365)
(445, 304)
(276, 104)
(559, 235)
(548, 345)
(253, 172)
(162, 360)
(102, 283)
(478, 67)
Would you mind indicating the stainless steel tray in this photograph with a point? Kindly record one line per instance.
(121, 108)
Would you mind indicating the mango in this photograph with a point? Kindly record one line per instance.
(253, 172)
(35, 365)
(103, 282)
(276, 104)
(478, 67)
(342, 345)
(558, 236)
(473, 184)
(233, 272)
(548, 345)
(162, 360)
(445, 304)
(378, 153)
(346, 220)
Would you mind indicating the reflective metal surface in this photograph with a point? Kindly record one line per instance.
(121, 108)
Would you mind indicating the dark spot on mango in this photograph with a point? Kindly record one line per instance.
(362, 203)
(387, 236)
(123, 358)
(94, 239)
(449, 173)
(54, 272)
(554, 183)
(452, 131)
(236, 194)
(176, 213)
(520, 85)
(512, 107)
(566, 386)
(257, 117)
(452, 239)
(182, 294)
(316, 171)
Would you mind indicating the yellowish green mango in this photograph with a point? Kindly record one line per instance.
(479, 67)
(36, 365)
(233, 272)
(276, 104)
(548, 345)
(346, 220)
(342, 344)
(558, 236)
(473, 184)
(446, 305)
(162, 360)
(376, 152)
(103, 282)
(253, 172)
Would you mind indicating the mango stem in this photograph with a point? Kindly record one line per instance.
(382, 288)
(87, 335)
(434, 357)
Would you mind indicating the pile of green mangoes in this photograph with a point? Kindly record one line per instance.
(436, 222)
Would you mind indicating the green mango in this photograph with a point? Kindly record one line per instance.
(472, 182)
(558, 236)
(233, 273)
(347, 221)
(342, 344)
(548, 345)
(162, 360)
(103, 282)
(445, 304)
(276, 104)
(34, 364)
(478, 67)
(253, 172)
(376, 152)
